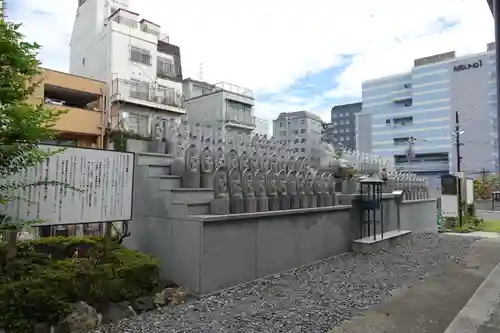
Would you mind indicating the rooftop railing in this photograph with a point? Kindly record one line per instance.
(234, 89)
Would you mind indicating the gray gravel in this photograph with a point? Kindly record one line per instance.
(312, 299)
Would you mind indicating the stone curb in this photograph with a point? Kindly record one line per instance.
(478, 309)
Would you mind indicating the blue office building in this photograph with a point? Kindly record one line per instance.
(419, 107)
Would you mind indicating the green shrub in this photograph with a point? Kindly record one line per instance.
(47, 278)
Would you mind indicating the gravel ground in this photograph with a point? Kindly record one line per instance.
(312, 299)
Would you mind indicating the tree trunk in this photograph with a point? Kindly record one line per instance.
(11, 249)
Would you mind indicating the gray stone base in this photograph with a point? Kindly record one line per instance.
(284, 202)
(220, 206)
(274, 203)
(312, 203)
(371, 245)
(207, 180)
(262, 204)
(236, 205)
(327, 200)
(250, 204)
(319, 200)
(294, 202)
(304, 201)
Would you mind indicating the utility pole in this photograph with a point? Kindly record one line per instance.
(457, 132)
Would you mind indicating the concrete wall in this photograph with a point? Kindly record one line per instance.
(209, 253)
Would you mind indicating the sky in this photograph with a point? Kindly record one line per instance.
(294, 55)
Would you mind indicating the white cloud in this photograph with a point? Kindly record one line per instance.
(268, 45)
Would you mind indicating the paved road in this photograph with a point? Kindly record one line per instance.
(431, 305)
(488, 215)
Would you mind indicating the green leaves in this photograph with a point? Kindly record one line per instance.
(22, 126)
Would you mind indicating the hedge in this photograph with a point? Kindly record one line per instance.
(50, 274)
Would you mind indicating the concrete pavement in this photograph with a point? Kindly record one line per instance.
(431, 305)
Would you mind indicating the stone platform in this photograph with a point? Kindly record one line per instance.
(372, 245)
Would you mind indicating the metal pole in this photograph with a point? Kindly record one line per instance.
(459, 169)
(496, 15)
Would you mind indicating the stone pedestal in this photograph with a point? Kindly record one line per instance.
(327, 200)
(294, 201)
(236, 205)
(250, 204)
(303, 201)
(273, 203)
(284, 202)
(319, 200)
(220, 206)
(311, 199)
(207, 180)
(262, 204)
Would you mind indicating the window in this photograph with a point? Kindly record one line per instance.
(388, 121)
(405, 121)
(296, 132)
(302, 131)
(138, 124)
(297, 140)
(303, 140)
(61, 142)
(409, 103)
(83, 61)
(282, 124)
(346, 122)
(302, 121)
(140, 55)
(165, 67)
(407, 85)
(302, 150)
(347, 130)
(401, 141)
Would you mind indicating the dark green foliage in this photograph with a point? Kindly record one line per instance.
(50, 274)
(120, 138)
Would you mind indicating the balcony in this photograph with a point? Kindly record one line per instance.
(125, 21)
(239, 119)
(84, 116)
(144, 94)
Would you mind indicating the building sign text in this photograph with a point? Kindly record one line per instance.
(461, 68)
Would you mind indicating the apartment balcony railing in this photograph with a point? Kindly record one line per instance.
(142, 91)
(244, 119)
(125, 21)
(150, 30)
(234, 89)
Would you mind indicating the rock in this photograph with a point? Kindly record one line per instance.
(164, 297)
(143, 304)
(83, 318)
(170, 295)
(39, 328)
(114, 312)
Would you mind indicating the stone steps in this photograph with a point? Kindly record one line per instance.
(193, 195)
(167, 182)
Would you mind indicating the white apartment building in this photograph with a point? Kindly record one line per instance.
(143, 70)
(220, 104)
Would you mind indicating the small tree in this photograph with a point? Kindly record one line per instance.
(22, 126)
